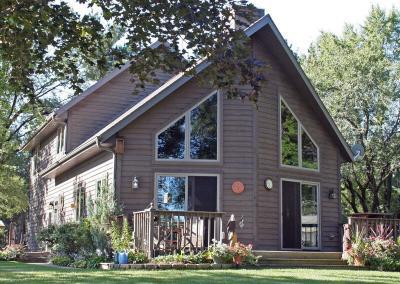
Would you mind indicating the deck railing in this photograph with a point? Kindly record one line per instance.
(158, 232)
(358, 224)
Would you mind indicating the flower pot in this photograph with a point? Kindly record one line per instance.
(358, 261)
(237, 259)
(218, 260)
(123, 258)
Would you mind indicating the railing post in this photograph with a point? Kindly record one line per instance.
(151, 233)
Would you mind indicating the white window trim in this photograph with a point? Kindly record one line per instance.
(62, 129)
(317, 184)
(299, 141)
(186, 176)
(186, 115)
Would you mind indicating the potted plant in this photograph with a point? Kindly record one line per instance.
(358, 249)
(221, 253)
(120, 241)
(241, 252)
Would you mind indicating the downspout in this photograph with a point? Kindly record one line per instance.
(107, 147)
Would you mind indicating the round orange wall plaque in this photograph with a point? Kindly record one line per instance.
(237, 187)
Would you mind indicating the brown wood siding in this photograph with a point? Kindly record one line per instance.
(103, 106)
(44, 191)
(268, 202)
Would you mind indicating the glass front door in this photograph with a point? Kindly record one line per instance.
(300, 217)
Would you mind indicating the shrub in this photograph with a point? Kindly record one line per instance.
(12, 252)
(201, 257)
(120, 236)
(69, 239)
(137, 257)
(79, 263)
(94, 261)
(62, 260)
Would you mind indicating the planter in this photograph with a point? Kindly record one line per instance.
(358, 261)
(122, 257)
(218, 260)
(237, 259)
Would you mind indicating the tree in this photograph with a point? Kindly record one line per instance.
(357, 75)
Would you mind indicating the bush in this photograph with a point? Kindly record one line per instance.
(79, 263)
(221, 253)
(12, 252)
(69, 239)
(137, 257)
(201, 257)
(62, 260)
(94, 261)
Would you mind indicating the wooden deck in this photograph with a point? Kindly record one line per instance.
(158, 232)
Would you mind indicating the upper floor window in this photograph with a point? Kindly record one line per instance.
(80, 200)
(61, 140)
(193, 136)
(298, 149)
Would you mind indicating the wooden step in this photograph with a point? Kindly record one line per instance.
(36, 257)
(298, 254)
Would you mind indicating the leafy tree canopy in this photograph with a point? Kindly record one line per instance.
(357, 75)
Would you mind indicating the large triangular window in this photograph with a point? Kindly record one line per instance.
(193, 136)
(298, 149)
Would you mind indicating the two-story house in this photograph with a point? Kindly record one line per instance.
(182, 145)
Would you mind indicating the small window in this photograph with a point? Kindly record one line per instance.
(194, 136)
(297, 147)
(61, 140)
(80, 201)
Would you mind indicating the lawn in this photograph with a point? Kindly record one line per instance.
(14, 272)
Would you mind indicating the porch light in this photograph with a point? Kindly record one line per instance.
(135, 183)
(332, 194)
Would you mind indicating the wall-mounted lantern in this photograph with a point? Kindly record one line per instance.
(135, 183)
(332, 194)
(268, 184)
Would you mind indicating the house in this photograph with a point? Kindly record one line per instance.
(181, 145)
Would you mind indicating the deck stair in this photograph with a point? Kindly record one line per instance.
(300, 258)
(36, 257)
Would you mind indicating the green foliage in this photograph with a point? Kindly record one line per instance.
(101, 211)
(121, 236)
(12, 252)
(62, 260)
(137, 257)
(69, 239)
(357, 74)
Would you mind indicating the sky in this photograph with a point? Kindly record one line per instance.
(301, 22)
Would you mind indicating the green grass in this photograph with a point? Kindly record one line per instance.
(14, 272)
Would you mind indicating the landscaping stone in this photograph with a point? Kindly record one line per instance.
(165, 266)
(136, 266)
(178, 266)
(150, 266)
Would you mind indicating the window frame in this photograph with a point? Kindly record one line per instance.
(187, 116)
(186, 176)
(299, 140)
(61, 132)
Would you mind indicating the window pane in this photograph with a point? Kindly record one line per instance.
(309, 216)
(171, 142)
(202, 193)
(171, 193)
(308, 151)
(289, 141)
(203, 135)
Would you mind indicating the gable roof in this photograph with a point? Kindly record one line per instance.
(180, 79)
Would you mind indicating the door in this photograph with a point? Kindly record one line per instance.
(300, 215)
(291, 215)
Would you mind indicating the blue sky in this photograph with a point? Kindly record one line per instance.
(300, 22)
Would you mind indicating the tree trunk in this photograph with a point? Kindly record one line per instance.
(388, 192)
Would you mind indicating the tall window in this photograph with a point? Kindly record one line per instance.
(61, 140)
(297, 147)
(194, 136)
(186, 192)
(80, 201)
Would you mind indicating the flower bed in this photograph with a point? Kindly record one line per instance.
(12, 252)
(378, 250)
